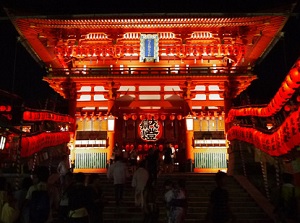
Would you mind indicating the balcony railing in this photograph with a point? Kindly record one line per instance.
(153, 71)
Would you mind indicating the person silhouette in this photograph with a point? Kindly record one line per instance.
(219, 210)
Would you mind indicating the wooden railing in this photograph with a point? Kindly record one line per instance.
(153, 71)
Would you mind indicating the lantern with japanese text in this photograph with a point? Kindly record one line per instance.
(150, 130)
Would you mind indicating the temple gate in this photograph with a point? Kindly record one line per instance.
(148, 80)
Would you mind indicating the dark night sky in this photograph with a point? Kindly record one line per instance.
(21, 75)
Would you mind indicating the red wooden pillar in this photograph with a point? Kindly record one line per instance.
(189, 145)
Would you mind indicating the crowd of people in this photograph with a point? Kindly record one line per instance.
(71, 197)
(161, 160)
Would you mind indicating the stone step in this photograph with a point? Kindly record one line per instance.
(198, 187)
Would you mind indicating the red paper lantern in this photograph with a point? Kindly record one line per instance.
(140, 147)
(172, 117)
(287, 108)
(27, 116)
(294, 73)
(142, 117)
(125, 117)
(127, 147)
(290, 82)
(163, 117)
(179, 117)
(160, 147)
(146, 147)
(134, 117)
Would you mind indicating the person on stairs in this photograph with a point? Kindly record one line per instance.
(139, 181)
(219, 210)
(150, 206)
(81, 201)
(118, 171)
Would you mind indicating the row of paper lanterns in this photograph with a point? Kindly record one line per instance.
(285, 92)
(152, 116)
(172, 117)
(286, 137)
(46, 116)
(145, 147)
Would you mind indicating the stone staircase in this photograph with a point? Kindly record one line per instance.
(199, 187)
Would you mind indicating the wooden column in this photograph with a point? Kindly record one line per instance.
(189, 145)
(111, 96)
(111, 143)
(227, 102)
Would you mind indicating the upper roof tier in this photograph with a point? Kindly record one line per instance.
(189, 39)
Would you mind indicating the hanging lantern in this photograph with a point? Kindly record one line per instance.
(172, 117)
(156, 117)
(134, 117)
(290, 82)
(287, 108)
(163, 117)
(189, 122)
(142, 117)
(160, 147)
(179, 117)
(287, 90)
(27, 116)
(149, 116)
(140, 147)
(110, 123)
(294, 74)
(125, 117)
(146, 147)
(127, 147)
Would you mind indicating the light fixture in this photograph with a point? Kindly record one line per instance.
(269, 126)
(2, 142)
(110, 123)
(189, 121)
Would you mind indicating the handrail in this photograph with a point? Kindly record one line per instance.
(144, 71)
